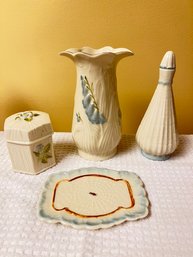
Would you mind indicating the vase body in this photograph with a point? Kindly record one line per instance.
(157, 134)
(96, 126)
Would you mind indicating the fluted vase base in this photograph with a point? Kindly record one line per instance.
(92, 157)
(154, 157)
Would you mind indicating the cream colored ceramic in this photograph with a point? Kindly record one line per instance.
(97, 117)
(93, 198)
(29, 141)
(157, 134)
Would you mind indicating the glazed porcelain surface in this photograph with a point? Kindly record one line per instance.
(96, 124)
(29, 140)
(157, 134)
(93, 198)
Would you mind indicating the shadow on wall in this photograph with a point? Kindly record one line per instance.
(133, 112)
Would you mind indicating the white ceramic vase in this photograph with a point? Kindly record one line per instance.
(96, 124)
(157, 134)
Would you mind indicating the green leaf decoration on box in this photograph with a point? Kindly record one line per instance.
(27, 116)
(89, 103)
(42, 152)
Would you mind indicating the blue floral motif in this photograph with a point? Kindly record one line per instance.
(89, 103)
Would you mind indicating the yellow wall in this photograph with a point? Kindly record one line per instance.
(34, 76)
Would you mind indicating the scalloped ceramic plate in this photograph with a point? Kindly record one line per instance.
(93, 198)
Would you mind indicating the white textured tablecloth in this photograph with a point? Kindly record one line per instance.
(166, 232)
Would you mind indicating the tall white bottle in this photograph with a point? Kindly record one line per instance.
(157, 134)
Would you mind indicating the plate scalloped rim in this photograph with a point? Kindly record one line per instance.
(139, 211)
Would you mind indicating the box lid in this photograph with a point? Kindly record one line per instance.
(27, 127)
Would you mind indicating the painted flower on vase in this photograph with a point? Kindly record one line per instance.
(78, 117)
(89, 103)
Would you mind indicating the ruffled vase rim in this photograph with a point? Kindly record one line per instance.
(93, 52)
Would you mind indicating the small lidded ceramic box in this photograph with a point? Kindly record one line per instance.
(29, 141)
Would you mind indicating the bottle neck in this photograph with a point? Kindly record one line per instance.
(166, 76)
